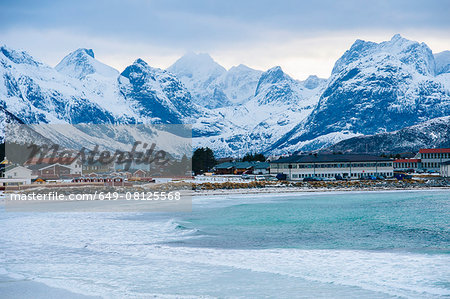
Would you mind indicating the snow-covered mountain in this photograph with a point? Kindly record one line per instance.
(374, 88)
(81, 89)
(434, 133)
(81, 64)
(278, 105)
(238, 84)
(35, 92)
(99, 81)
(155, 95)
(442, 61)
(211, 85)
(197, 72)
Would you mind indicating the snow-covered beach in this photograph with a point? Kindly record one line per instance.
(321, 244)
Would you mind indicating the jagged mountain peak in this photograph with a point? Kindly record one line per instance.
(141, 62)
(397, 49)
(191, 55)
(140, 68)
(197, 67)
(18, 56)
(275, 86)
(83, 51)
(442, 61)
(199, 58)
(273, 75)
(397, 38)
(313, 82)
(198, 72)
(82, 63)
(239, 68)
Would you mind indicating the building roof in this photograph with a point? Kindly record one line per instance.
(434, 150)
(243, 165)
(406, 160)
(446, 163)
(62, 161)
(226, 159)
(96, 163)
(45, 165)
(37, 166)
(11, 167)
(261, 165)
(321, 158)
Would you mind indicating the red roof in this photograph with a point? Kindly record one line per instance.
(406, 160)
(434, 150)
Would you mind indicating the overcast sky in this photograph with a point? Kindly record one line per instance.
(303, 37)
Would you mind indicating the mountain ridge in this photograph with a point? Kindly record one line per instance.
(373, 88)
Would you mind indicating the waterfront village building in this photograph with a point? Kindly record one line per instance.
(426, 159)
(73, 164)
(15, 175)
(405, 164)
(51, 171)
(351, 166)
(432, 158)
(445, 170)
(253, 167)
(97, 167)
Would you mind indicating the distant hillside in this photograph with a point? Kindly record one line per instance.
(431, 134)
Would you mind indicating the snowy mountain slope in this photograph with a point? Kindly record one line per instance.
(35, 92)
(197, 72)
(174, 140)
(211, 85)
(434, 133)
(155, 94)
(82, 63)
(279, 103)
(6, 118)
(83, 90)
(442, 60)
(374, 88)
(99, 80)
(238, 84)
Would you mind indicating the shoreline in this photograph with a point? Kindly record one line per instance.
(11, 287)
(289, 190)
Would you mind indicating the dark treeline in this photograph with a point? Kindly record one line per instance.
(254, 157)
(203, 160)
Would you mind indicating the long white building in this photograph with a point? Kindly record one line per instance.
(432, 158)
(349, 166)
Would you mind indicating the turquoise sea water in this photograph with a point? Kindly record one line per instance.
(409, 221)
(309, 245)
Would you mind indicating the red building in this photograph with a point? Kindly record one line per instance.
(52, 171)
(407, 163)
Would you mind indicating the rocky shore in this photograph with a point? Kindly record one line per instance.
(257, 186)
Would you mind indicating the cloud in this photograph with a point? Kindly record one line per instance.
(304, 37)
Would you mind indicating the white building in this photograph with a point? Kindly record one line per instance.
(432, 158)
(74, 164)
(16, 175)
(445, 169)
(350, 166)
